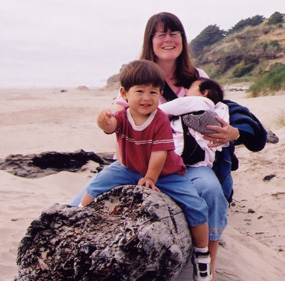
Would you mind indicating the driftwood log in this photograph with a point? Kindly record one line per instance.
(129, 233)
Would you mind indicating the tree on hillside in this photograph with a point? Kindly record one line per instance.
(253, 21)
(210, 35)
(275, 18)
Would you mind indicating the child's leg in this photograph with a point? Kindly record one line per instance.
(75, 202)
(195, 209)
(213, 248)
(110, 177)
(200, 235)
(181, 190)
(86, 199)
(202, 258)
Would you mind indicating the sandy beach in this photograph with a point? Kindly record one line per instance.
(36, 121)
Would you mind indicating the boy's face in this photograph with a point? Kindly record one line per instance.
(194, 90)
(142, 99)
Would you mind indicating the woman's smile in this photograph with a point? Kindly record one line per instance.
(168, 48)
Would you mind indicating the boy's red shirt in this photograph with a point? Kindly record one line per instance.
(137, 142)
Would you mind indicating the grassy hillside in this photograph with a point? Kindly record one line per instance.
(244, 53)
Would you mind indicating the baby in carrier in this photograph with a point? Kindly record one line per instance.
(189, 116)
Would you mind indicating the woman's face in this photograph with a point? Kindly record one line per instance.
(167, 46)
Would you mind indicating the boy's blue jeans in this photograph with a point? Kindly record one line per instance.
(181, 188)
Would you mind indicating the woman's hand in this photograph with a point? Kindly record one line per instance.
(148, 182)
(224, 134)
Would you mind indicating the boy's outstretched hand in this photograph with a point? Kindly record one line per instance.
(106, 121)
(148, 182)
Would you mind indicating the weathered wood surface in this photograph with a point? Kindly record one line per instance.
(130, 233)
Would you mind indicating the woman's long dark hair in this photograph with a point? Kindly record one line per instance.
(185, 73)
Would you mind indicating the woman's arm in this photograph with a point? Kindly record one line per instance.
(245, 129)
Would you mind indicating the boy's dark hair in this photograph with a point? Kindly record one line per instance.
(215, 91)
(141, 72)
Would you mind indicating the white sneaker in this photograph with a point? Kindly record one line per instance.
(201, 266)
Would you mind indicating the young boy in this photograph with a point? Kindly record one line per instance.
(142, 130)
(147, 154)
(201, 104)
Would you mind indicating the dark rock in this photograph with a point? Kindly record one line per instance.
(269, 177)
(233, 204)
(251, 211)
(130, 233)
(271, 137)
(36, 165)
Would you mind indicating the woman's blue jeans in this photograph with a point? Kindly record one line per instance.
(209, 188)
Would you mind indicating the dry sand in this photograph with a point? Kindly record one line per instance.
(35, 121)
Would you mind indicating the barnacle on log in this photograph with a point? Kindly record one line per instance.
(129, 233)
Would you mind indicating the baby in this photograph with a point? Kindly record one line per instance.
(202, 102)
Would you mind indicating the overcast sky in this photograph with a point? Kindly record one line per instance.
(67, 43)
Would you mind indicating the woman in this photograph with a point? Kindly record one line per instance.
(165, 43)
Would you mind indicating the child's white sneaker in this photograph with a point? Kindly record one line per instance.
(201, 266)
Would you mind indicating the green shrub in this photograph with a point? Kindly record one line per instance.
(271, 81)
(275, 18)
(240, 71)
(210, 35)
(253, 21)
(275, 44)
(265, 46)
